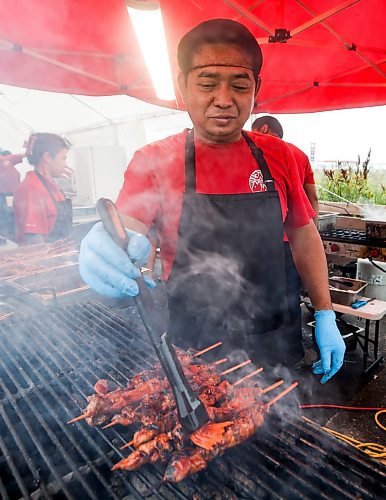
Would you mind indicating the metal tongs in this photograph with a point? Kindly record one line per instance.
(191, 411)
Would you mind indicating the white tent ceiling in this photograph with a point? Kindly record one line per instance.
(23, 111)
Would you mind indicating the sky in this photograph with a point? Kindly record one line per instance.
(339, 135)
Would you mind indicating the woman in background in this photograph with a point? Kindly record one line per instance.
(9, 181)
(42, 213)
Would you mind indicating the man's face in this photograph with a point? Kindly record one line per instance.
(219, 92)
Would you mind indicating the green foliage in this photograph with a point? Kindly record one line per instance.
(351, 182)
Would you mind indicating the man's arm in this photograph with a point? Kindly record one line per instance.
(310, 261)
(310, 190)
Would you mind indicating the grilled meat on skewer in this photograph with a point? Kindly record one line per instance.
(206, 437)
(235, 400)
(194, 460)
(100, 406)
(167, 421)
(151, 404)
(211, 441)
(242, 399)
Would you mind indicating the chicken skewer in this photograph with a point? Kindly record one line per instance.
(191, 460)
(165, 422)
(163, 445)
(154, 403)
(101, 405)
(213, 438)
(162, 405)
(244, 426)
(210, 435)
(185, 358)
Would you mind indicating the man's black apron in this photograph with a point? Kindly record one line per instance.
(228, 277)
(63, 223)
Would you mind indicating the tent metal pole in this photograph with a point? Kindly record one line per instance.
(237, 7)
(321, 17)
(68, 67)
(347, 44)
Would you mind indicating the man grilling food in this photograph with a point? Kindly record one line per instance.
(218, 200)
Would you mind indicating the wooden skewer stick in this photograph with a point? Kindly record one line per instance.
(207, 349)
(109, 425)
(230, 370)
(255, 372)
(81, 417)
(273, 386)
(223, 360)
(282, 393)
(127, 445)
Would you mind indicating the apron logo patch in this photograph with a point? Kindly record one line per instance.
(256, 182)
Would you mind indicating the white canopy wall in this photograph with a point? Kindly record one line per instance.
(104, 132)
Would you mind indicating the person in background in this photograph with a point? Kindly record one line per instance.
(42, 213)
(9, 181)
(218, 197)
(271, 126)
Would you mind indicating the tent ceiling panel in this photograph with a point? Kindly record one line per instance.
(89, 47)
(59, 113)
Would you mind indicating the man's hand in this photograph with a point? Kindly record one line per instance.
(330, 343)
(107, 268)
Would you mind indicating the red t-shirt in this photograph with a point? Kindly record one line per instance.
(155, 182)
(305, 170)
(9, 175)
(35, 211)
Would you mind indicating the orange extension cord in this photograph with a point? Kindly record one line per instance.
(373, 450)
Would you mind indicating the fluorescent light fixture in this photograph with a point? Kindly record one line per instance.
(149, 29)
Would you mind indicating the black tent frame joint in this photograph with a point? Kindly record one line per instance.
(281, 35)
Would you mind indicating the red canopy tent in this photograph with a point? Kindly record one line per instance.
(318, 54)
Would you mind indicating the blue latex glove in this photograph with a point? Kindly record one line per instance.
(107, 269)
(330, 343)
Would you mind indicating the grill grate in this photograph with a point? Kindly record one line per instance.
(49, 364)
(351, 236)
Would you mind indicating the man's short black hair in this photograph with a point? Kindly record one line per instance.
(272, 122)
(218, 31)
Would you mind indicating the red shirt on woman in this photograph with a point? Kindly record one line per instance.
(34, 209)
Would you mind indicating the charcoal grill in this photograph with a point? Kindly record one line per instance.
(353, 243)
(49, 364)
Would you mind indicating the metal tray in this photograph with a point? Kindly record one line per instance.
(53, 286)
(33, 252)
(36, 264)
(326, 221)
(345, 291)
